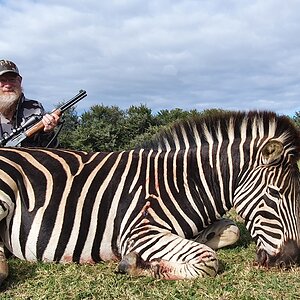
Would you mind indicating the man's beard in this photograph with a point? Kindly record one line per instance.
(9, 101)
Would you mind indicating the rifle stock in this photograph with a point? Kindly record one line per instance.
(39, 126)
(26, 131)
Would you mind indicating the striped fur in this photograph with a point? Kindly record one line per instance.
(144, 206)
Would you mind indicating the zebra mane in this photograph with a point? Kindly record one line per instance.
(186, 133)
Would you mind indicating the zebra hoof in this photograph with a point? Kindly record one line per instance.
(220, 234)
(128, 264)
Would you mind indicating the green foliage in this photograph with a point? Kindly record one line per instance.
(297, 118)
(138, 122)
(105, 128)
(165, 116)
(70, 122)
(99, 129)
(140, 139)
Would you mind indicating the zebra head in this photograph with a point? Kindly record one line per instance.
(268, 199)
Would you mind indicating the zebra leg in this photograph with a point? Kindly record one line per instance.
(220, 234)
(170, 257)
(3, 264)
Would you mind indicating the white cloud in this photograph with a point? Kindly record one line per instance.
(163, 53)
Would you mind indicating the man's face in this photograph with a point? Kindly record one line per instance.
(10, 82)
(10, 89)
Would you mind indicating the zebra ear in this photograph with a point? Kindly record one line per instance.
(271, 152)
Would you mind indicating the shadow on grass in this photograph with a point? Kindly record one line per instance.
(19, 271)
(245, 238)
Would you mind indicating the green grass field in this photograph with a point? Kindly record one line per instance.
(238, 279)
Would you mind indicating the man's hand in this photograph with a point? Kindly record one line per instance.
(50, 121)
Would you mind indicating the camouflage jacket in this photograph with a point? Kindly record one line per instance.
(25, 109)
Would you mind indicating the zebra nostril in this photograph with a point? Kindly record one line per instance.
(262, 258)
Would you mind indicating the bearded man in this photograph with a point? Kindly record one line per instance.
(16, 109)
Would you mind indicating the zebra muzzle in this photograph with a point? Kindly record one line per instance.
(288, 256)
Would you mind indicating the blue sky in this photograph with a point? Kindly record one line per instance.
(189, 54)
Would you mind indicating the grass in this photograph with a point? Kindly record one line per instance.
(238, 279)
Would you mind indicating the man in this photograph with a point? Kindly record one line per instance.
(16, 109)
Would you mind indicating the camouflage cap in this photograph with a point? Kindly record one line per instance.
(7, 66)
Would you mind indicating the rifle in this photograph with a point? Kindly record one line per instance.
(34, 124)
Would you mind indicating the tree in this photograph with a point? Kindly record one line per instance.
(138, 121)
(166, 116)
(296, 118)
(99, 129)
(70, 122)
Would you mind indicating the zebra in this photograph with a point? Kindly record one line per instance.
(158, 209)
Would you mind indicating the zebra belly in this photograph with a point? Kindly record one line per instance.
(31, 253)
(39, 243)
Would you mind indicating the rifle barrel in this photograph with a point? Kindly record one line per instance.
(73, 101)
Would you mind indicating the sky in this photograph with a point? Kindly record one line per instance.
(165, 54)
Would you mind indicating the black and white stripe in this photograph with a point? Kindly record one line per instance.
(75, 206)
